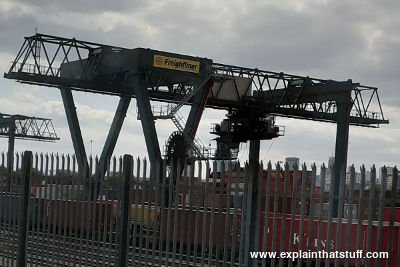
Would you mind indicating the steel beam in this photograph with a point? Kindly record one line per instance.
(75, 130)
(112, 136)
(147, 120)
(342, 141)
(197, 108)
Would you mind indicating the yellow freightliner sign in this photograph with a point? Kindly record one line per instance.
(174, 63)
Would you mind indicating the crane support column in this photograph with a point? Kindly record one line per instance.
(112, 136)
(76, 134)
(147, 120)
(342, 141)
(196, 111)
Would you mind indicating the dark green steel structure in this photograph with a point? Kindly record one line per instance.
(146, 74)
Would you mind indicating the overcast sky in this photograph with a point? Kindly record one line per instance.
(358, 40)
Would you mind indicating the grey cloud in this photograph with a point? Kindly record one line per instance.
(82, 6)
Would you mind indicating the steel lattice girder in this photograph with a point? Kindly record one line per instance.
(28, 127)
(41, 58)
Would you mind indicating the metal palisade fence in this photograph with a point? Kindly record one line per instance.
(193, 215)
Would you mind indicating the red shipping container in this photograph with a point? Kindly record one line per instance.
(386, 214)
(185, 227)
(294, 240)
(75, 214)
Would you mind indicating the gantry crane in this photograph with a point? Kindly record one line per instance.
(24, 127)
(252, 97)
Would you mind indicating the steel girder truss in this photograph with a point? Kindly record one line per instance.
(31, 128)
(304, 97)
(40, 58)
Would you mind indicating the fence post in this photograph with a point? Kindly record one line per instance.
(124, 201)
(23, 208)
(251, 237)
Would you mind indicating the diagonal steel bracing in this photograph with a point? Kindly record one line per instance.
(112, 137)
(77, 140)
(147, 121)
(76, 134)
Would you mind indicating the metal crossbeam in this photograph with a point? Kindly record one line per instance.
(42, 56)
